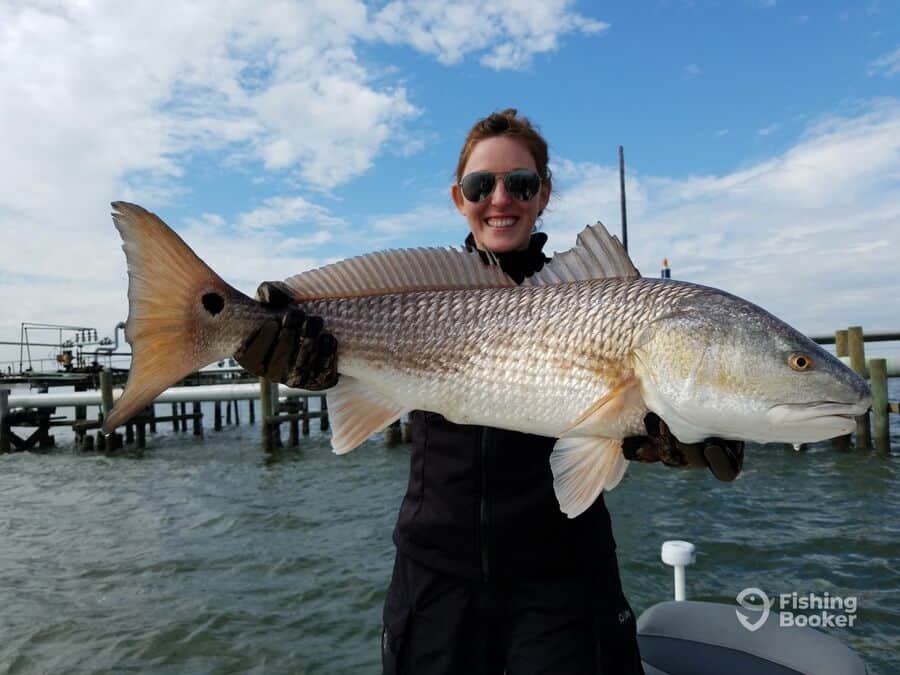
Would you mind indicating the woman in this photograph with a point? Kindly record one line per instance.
(490, 576)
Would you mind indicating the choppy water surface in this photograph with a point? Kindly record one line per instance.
(208, 557)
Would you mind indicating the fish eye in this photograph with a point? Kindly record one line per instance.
(800, 362)
(213, 303)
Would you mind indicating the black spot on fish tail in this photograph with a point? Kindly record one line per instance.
(213, 303)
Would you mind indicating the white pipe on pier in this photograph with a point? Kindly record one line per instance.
(213, 392)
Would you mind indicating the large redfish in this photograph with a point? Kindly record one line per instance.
(580, 352)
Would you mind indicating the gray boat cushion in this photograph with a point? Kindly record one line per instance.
(706, 638)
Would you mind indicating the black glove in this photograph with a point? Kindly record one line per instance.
(723, 458)
(291, 349)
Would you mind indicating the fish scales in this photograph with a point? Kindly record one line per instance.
(561, 347)
(563, 355)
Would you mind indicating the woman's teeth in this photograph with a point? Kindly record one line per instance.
(501, 222)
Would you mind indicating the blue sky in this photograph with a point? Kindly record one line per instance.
(762, 139)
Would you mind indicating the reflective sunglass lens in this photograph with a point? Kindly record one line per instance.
(522, 185)
(478, 186)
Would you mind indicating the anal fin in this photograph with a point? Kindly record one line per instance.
(588, 458)
(355, 412)
(584, 466)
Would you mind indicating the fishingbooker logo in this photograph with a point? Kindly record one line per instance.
(753, 599)
(797, 609)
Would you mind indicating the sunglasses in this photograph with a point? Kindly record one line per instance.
(520, 184)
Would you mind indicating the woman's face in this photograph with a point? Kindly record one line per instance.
(501, 223)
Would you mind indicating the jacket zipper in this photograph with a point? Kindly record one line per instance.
(485, 569)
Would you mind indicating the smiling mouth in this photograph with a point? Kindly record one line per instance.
(500, 223)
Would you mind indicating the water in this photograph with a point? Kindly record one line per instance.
(209, 557)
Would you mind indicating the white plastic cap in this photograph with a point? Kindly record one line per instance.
(678, 553)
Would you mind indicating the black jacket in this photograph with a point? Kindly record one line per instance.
(480, 501)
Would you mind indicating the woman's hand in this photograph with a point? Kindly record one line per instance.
(293, 348)
(723, 458)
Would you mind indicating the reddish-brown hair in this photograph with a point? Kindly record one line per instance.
(506, 123)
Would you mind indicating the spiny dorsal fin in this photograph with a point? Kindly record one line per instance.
(596, 255)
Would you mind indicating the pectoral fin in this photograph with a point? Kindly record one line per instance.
(356, 412)
(588, 458)
(604, 416)
(583, 467)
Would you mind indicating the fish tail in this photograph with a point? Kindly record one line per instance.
(181, 314)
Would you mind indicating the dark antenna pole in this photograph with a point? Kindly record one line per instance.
(622, 192)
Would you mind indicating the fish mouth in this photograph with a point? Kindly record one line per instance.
(814, 421)
(792, 413)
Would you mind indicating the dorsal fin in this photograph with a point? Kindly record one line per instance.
(596, 255)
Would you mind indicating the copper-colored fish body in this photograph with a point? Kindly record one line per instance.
(581, 351)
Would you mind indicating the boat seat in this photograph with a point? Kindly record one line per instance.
(706, 638)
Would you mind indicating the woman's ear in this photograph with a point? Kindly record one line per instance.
(456, 196)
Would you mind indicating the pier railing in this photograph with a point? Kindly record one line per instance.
(849, 346)
(35, 410)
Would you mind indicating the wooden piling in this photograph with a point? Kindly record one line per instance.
(217, 418)
(407, 433)
(4, 423)
(840, 349)
(80, 413)
(393, 434)
(183, 407)
(265, 410)
(141, 435)
(151, 410)
(857, 350)
(878, 374)
(106, 405)
(129, 433)
(252, 411)
(274, 429)
(228, 412)
(198, 419)
(295, 405)
(174, 417)
(237, 416)
(305, 418)
(323, 420)
(840, 343)
(87, 443)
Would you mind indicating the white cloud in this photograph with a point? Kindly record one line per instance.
(424, 220)
(807, 234)
(106, 100)
(887, 64)
(768, 130)
(509, 34)
(281, 211)
(691, 71)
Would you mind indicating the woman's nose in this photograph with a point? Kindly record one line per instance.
(500, 195)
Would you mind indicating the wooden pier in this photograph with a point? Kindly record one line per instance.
(36, 412)
(281, 405)
(850, 345)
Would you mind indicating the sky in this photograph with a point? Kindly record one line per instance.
(761, 137)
